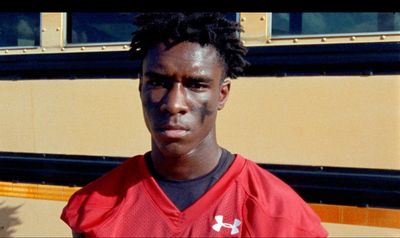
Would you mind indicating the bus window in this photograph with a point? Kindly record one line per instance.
(116, 27)
(303, 24)
(84, 27)
(232, 16)
(19, 29)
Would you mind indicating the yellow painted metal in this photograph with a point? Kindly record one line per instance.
(255, 27)
(345, 121)
(52, 25)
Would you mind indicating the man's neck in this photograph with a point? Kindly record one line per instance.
(193, 164)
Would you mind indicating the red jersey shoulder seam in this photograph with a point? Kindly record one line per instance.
(249, 196)
(245, 223)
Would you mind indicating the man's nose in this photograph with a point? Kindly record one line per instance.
(175, 101)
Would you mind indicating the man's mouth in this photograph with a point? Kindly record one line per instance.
(173, 131)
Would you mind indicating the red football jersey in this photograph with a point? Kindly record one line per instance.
(246, 201)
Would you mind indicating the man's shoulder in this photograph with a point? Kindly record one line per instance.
(266, 188)
(258, 181)
(114, 180)
(270, 199)
(94, 200)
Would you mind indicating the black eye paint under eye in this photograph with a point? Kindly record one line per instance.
(149, 105)
(204, 112)
(150, 101)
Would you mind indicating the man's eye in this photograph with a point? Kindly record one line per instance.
(197, 85)
(157, 83)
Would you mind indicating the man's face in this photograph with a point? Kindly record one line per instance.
(181, 92)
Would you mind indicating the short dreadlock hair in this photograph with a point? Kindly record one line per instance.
(204, 28)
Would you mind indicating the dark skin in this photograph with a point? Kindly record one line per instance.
(182, 88)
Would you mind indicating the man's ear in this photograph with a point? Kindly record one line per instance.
(140, 82)
(224, 90)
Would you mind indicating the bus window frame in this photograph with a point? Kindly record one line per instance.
(262, 33)
(96, 44)
(93, 44)
(28, 46)
(257, 28)
(328, 35)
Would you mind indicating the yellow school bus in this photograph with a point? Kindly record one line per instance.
(319, 107)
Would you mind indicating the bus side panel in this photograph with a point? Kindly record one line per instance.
(83, 117)
(348, 121)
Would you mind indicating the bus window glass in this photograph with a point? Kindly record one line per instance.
(316, 23)
(83, 27)
(19, 29)
(233, 16)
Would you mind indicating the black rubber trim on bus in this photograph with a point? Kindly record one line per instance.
(329, 59)
(294, 60)
(316, 184)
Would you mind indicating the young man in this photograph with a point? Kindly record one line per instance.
(187, 185)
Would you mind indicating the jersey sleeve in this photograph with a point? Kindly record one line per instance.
(93, 204)
(274, 209)
(303, 224)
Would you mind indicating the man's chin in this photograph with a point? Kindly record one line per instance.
(174, 149)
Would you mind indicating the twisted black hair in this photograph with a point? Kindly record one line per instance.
(204, 28)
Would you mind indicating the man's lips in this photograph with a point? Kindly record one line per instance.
(173, 131)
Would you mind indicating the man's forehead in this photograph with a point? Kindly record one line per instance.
(184, 57)
(185, 49)
(182, 53)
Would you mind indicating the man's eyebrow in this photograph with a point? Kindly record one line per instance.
(155, 74)
(200, 79)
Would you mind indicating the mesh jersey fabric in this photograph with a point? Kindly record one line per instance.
(247, 201)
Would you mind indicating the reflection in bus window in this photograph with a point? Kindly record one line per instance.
(232, 16)
(19, 29)
(84, 27)
(317, 23)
